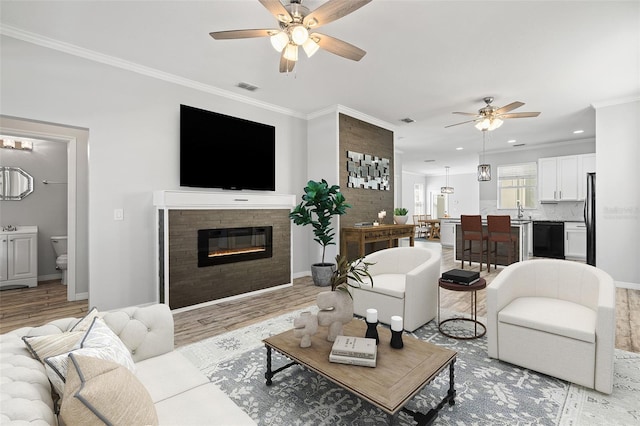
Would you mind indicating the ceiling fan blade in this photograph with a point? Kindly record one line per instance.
(285, 64)
(510, 107)
(457, 124)
(467, 113)
(519, 115)
(233, 34)
(332, 10)
(338, 47)
(277, 10)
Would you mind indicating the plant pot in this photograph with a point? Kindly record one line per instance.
(400, 220)
(321, 273)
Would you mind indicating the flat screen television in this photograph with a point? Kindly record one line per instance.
(220, 151)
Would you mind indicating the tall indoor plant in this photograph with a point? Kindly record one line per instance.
(320, 202)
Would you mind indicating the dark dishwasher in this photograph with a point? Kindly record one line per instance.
(548, 239)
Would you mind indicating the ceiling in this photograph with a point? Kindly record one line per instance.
(425, 59)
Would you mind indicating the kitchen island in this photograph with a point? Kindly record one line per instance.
(519, 228)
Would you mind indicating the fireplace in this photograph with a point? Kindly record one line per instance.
(230, 245)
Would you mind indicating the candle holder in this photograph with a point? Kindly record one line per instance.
(396, 332)
(372, 331)
(396, 339)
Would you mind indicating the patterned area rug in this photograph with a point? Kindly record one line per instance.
(489, 392)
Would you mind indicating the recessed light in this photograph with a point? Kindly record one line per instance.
(511, 141)
(577, 132)
(459, 148)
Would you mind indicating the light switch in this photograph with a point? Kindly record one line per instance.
(118, 214)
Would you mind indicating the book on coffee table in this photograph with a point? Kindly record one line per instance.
(353, 360)
(356, 347)
(460, 276)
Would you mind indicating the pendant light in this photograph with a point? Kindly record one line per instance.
(484, 169)
(446, 189)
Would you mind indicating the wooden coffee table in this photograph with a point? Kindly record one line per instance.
(398, 376)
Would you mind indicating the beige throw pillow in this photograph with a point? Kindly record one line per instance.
(100, 392)
(99, 342)
(42, 347)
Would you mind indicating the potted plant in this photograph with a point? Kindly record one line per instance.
(320, 202)
(336, 306)
(400, 215)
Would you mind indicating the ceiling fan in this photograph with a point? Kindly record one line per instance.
(491, 117)
(296, 25)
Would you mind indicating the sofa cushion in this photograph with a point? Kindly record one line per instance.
(100, 342)
(42, 347)
(104, 392)
(389, 284)
(552, 316)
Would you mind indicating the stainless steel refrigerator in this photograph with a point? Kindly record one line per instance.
(590, 218)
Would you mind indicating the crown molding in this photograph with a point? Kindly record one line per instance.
(113, 61)
(614, 102)
(336, 109)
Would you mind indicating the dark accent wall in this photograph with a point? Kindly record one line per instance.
(191, 285)
(360, 136)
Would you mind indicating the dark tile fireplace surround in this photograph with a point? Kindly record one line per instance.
(262, 263)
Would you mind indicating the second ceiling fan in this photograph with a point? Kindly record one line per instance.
(490, 117)
(297, 28)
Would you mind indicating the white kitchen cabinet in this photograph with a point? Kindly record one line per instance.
(447, 232)
(575, 241)
(587, 164)
(560, 178)
(19, 257)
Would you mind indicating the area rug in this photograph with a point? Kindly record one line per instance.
(489, 392)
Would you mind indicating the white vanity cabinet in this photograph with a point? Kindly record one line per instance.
(575, 241)
(19, 257)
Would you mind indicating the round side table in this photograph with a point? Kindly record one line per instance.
(473, 288)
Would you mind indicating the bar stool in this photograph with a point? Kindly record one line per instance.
(499, 227)
(472, 230)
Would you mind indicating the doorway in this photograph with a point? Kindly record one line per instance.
(76, 140)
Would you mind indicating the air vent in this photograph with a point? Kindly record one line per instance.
(429, 161)
(408, 120)
(247, 86)
(518, 144)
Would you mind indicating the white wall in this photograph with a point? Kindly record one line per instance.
(133, 122)
(618, 192)
(465, 197)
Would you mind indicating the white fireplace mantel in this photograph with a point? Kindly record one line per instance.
(179, 199)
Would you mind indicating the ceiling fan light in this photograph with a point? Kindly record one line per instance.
(310, 47)
(483, 125)
(291, 52)
(495, 123)
(299, 34)
(279, 41)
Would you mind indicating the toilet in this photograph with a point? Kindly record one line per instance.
(60, 248)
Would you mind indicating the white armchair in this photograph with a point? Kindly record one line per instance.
(556, 317)
(405, 283)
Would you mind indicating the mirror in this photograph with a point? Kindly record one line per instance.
(15, 183)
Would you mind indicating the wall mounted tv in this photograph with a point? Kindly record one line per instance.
(220, 151)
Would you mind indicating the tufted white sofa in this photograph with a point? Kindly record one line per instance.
(405, 283)
(181, 394)
(556, 317)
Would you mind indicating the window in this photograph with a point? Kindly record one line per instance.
(518, 182)
(418, 198)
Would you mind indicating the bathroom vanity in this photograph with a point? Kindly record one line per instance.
(19, 257)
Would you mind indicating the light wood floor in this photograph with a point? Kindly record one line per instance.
(38, 305)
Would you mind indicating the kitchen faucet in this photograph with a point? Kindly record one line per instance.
(520, 210)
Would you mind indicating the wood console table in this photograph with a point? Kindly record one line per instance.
(372, 234)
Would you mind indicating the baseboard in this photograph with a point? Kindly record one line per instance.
(630, 286)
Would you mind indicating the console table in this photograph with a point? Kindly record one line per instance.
(371, 234)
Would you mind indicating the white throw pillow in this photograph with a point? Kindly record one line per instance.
(98, 342)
